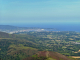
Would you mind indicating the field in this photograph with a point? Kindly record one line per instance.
(75, 56)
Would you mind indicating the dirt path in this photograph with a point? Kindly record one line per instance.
(75, 56)
(47, 54)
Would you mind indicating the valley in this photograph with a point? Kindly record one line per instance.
(25, 44)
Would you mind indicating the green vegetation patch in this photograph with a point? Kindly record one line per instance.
(50, 59)
(20, 51)
(78, 41)
(20, 47)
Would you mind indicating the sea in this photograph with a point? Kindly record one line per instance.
(56, 26)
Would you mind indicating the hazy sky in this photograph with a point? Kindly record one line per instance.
(38, 11)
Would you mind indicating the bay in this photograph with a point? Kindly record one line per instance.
(57, 26)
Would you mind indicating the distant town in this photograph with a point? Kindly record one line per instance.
(12, 29)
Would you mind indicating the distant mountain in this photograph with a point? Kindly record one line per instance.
(48, 55)
(8, 27)
(13, 29)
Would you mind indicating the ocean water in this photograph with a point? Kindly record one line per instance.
(57, 26)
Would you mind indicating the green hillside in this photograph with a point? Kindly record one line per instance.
(48, 55)
(21, 46)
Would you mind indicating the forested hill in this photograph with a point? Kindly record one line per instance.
(6, 35)
(16, 47)
(48, 55)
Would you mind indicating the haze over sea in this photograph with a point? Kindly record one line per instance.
(57, 26)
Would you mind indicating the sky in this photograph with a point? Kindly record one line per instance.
(39, 11)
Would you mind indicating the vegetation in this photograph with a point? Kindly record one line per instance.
(22, 45)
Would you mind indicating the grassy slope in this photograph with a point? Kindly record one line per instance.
(15, 46)
(48, 55)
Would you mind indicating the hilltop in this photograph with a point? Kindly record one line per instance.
(48, 55)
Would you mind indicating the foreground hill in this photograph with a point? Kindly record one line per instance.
(16, 47)
(48, 55)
